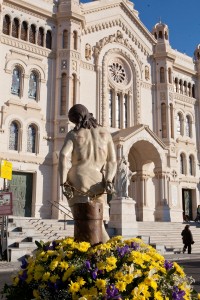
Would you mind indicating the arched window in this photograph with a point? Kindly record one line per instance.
(14, 136)
(75, 40)
(176, 85)
(63, 100)
(110, 100)
(181, 86)
(182, 164)
(189, 89)
(31, 139)
(40, 40)
(65, 39)
(24, 31)
(162, 75)
(6, 25)
(188, 126)
(125, 111)
(164, 120)
(73, 90)
(191, 165)
(33, 85)
(169, 75)
(15, 28)
(193, 91)
(32, 34)
(179, 124)
(160, 35)
(118, 119)
(171, 120)
(48, 39)
(16, 81)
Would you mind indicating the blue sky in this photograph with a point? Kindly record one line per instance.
(181, 16)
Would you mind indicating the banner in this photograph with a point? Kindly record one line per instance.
(6, 170)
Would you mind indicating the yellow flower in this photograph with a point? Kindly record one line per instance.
(37, 275)
(83, 246)
(68, 273)
(128, 278)
(53, 278)
(150, 282)
(29, 278)
(111, 260)
(46, 276)
(15, 281)
(74, 287)
(121, 286)
(119, 275)
(100, 283)
(101, 266)
(36, 294)
(53, 265)
(158, 296)
(179, 270)
(63, 265)
(80, 280)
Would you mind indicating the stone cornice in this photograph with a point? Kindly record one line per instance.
(22, 157)
(19, 44)
(30, 9)
(87, 66)
(184, 98)
(146, 85)
(182, 68)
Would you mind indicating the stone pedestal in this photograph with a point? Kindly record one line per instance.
(88, 218)
(122, 217)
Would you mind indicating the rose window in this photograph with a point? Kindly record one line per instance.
(117, 72)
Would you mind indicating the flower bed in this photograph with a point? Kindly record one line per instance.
(118, 269)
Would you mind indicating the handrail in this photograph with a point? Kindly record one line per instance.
(65, 214)
(4, 237)
(63, 207)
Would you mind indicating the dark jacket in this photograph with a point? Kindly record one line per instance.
(187, 236)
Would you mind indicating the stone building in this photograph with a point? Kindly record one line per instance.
(58, 53)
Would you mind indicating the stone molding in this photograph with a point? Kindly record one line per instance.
(184, 99)
(128, 32)
(87, 66)
(146, 85)
(19, 44)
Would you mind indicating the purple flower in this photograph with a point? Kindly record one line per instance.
(87, 264)
(168, 265)
(178, 294)
(94, 273)
(24, 263)
(135, 246)
(112, 293)
(123, 250)
(23, 276)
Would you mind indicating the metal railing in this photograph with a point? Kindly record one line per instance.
(4, 238)
(56, 205)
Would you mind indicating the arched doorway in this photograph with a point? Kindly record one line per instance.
(145, 187)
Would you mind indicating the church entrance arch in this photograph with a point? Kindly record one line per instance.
(145, 159)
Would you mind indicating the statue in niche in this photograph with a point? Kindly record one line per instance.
(90, 149)
(123, 178)
(88, 52)
(147, 73)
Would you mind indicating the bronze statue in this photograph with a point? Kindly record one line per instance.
(87, 162)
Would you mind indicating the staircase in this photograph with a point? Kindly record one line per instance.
(168, 235)
(23, 232)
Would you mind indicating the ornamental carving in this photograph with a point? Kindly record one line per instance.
(88, 51)
(114, 38)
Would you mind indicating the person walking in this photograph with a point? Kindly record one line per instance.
(187, 239)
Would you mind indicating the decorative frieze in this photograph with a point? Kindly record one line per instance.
(184, 98)
(87, 66)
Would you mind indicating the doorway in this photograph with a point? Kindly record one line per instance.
(21, 187)
(187, 203)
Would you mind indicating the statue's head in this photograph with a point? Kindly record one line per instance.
(80, 116)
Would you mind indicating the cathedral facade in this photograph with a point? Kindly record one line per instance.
(55, 54)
